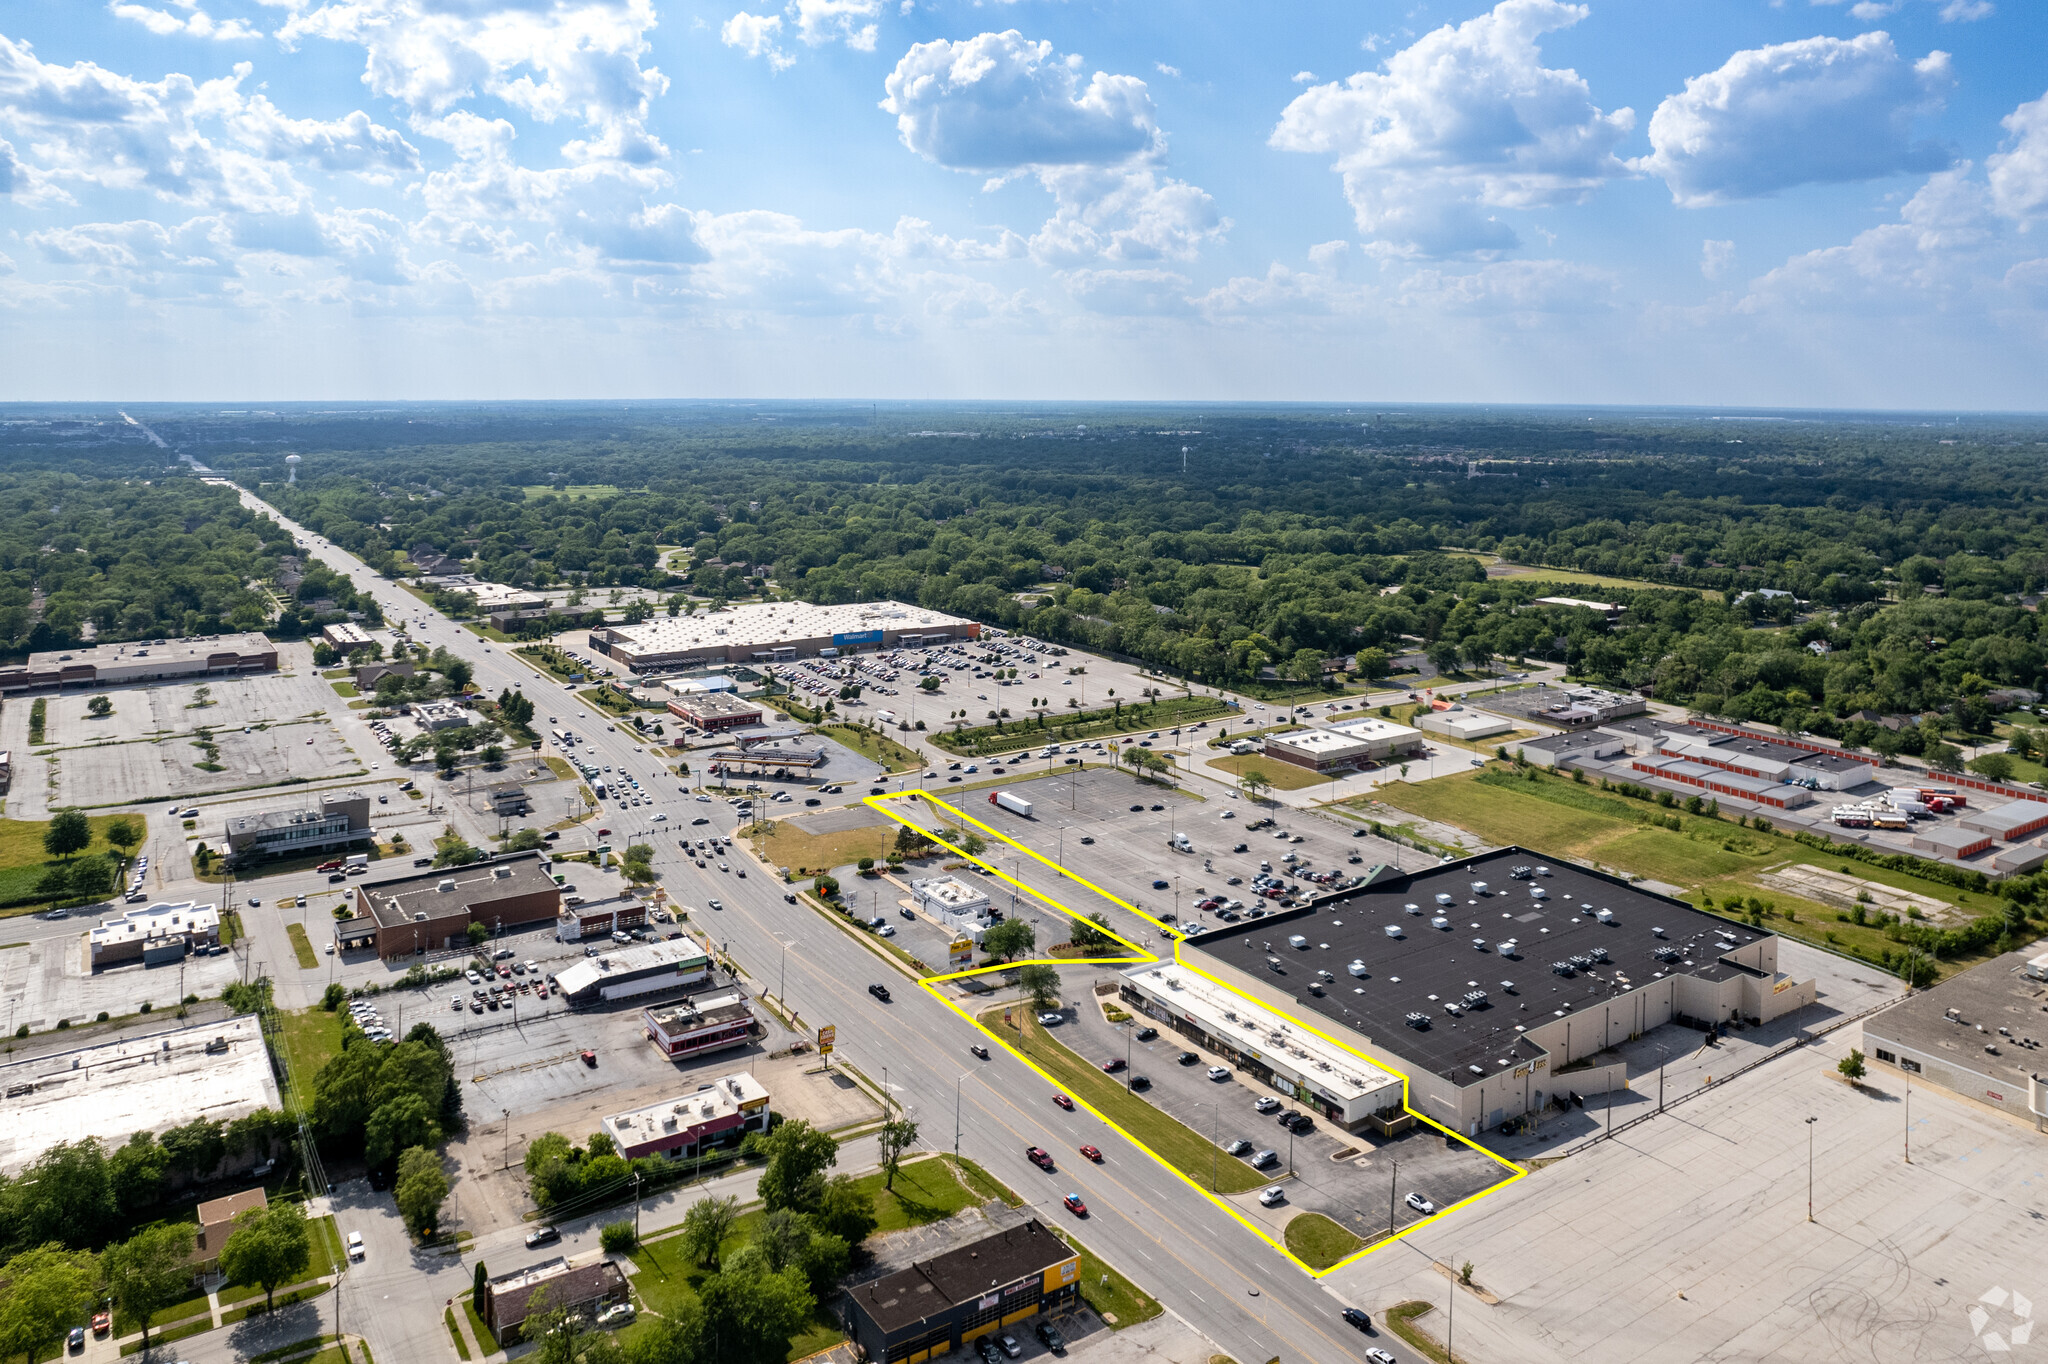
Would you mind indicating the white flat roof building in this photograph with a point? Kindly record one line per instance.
(1257, 1038)
(955, 903)
(1347, 742)
(1459, 723)
(139, 1084)
(774, 631)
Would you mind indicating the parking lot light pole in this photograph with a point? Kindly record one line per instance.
(1393, 1188)
(1809, 1167)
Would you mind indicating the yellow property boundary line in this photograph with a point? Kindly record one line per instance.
(887, 806)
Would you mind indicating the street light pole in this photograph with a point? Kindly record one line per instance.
(1809, 1168)
(1909, 1116)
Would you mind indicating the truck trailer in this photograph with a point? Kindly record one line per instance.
(1016, 805)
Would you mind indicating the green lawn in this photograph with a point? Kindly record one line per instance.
(1318, 1241)
(23, 861)
(346, 689)
(284, 1300)
(1284, 776)
(302, 947)
(667, 1278)
(310, 1038)
(572, 491)
(883, 749)
(455, 1333)
(926, 1191)
(1708, 857)
(1120, 1303)
(166, 1337)
(1172, 1141)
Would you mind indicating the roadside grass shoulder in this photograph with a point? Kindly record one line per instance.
(1119, 1302)
(1173, 1141)
(883, 749)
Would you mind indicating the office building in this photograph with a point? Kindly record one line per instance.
(717, 1116)
(155, 935)
(773, 632)
(346, 636)
(1981, 1034)
(938, 1305)
(340, 820)
(432, 910)
(156, 660)
(1481, 980)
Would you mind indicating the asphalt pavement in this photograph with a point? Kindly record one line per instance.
(1210, 1271)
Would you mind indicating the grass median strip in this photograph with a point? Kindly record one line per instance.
(302, 946)
(455, 1332)
(1171, 1140)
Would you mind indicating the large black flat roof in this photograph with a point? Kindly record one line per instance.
(1428, 966)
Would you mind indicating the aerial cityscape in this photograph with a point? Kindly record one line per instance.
(864, 681)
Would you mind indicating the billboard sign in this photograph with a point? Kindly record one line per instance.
(827, 1036)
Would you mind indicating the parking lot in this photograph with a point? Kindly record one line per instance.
(47, 978)
(1084, 821)
(1344, 1176)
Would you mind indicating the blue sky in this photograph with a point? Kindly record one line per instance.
(1807, 203)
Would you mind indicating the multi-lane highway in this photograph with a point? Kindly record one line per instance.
(1210, 1271)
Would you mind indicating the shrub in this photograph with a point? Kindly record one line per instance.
(618, 1237)
(62, 1024)
(104, 1016)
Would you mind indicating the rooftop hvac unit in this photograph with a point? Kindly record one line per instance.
(1393, 930)
(1357, 968)
(502, 873)
(1605, 916)
(1440, 922)
(419, 916)
(447, 884)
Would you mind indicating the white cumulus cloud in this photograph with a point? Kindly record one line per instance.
(813, 22)
(1003, 105)
(194, 23)
(1817, 111)
(1465, 121)
(551, 59)
(757, 35)
(2019, 171)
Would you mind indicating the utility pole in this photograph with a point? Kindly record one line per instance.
(508, 1137)
(1909, 1116)
(1393, 1187)
(956, 1115)
(636, 1207)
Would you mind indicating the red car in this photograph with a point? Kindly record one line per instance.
(1064, 1102)
(1038, 1156)
(1114, 1064)
(1092, 1154)
(102, 1322)
(590, 1059)
(604, 833)
(1075, 1205)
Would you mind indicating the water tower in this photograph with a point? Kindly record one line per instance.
(291, 463)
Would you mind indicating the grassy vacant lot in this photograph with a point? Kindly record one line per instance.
(1120, 1304)
(22, 860)
(571, 491)
(1711, 858)
(1319, 1241)
(880, 747)
(1401, 1320)
(310, 1038)
(1094, 724)
(1283, 776)
(788, 845)
(1181, 1146)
